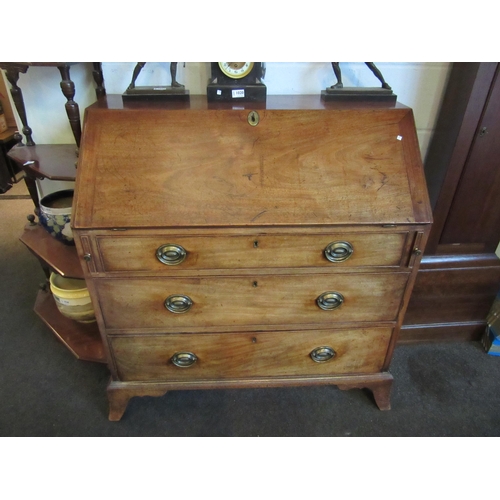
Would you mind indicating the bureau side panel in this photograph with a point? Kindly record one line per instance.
(83, 243)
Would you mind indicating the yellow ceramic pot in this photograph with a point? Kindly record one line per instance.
(72, 298)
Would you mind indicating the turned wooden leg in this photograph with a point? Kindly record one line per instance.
(72, 110)
(100, 91)
(12, 74)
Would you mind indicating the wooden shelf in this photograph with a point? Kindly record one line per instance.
(82, 339)
(58, 256)
(56, 162)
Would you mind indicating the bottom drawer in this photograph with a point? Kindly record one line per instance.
(249, 355)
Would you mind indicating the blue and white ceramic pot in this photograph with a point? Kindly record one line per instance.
(55, 215)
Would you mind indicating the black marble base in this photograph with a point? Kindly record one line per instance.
(157, 93)
(358, 94)
(233, 93)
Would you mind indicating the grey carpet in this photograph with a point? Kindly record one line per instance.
(449, 389)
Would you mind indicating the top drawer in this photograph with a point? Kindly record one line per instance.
(171, 253)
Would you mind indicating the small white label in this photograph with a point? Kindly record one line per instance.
(238, 93)
(64, 302)
(159, 88)
(83, 301)
(219, 92)
(399, 137)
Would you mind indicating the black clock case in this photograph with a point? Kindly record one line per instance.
(221, 87)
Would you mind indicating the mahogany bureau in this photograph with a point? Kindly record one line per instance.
(257, 245)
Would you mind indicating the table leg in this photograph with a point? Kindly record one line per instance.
(100, 91)
(12, 74)
(72, 109)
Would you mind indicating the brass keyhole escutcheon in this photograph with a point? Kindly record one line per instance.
(253, 118)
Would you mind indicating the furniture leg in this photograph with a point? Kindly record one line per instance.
(118, 401)
(381, 390)
(100, 91)
(68, 89)
(382, 394)
(12, 74)
(32, 189)
(119, 396)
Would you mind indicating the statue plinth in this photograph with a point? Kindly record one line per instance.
(358, 94)
(158, 92)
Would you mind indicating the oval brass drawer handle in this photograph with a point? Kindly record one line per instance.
(178, 303)
(184, 359)
(322, 354)
(170, 254)
(338, 251)
(330, 300)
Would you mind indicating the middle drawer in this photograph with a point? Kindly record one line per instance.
(181, 304)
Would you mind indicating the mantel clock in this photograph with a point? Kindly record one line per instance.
(233, 81)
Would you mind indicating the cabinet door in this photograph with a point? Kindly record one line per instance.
(474, 216)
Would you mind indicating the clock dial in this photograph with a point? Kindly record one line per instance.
(236, 69)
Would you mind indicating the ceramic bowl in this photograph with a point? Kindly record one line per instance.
(72, 298)
(55, 215)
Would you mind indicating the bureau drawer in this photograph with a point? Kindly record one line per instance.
(182, 304)
(244, 355)
(168, 254)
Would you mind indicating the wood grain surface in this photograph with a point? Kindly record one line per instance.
(129, 304)
(254, 207)
(192, 167)
(250, 354)
(138, 253)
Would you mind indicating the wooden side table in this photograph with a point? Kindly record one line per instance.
(48, 161)
(12, 71)
(82, 339)
(54, 162)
